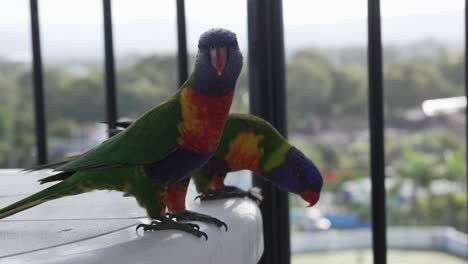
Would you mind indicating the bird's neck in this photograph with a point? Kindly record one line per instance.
(204, 117)
(206, 82)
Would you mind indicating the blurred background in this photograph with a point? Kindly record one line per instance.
(326, 56)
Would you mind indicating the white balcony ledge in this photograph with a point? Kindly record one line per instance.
(99, 227)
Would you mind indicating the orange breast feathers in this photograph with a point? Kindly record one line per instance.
(244, 153)
(203, 120)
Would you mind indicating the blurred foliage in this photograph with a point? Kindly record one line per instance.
(415, 160)
(425, 80)
(444, 210)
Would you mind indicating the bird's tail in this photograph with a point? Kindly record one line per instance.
(53, 165)
(61, 189)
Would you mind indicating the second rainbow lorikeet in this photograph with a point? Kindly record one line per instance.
(165, 145)
(251, 143)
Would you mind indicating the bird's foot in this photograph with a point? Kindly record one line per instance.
(187, 215)
(167, 224)
(232, 192)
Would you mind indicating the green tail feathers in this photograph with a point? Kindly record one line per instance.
(53, 165)
(58, 190)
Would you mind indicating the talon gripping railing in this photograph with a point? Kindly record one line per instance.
(267, 99)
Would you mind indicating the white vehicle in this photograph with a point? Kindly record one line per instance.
(313, 220)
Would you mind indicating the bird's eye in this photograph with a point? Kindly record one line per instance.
(299, 172)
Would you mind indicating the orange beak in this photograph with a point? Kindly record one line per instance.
(311, 197)
(218, 57)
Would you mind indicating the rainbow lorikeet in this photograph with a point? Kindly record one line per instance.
(249, 143)
(165, 145)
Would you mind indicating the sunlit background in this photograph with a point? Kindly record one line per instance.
(326, 74)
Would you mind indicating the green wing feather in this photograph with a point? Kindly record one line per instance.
(149, 139)
(273, 145)
(238, 123)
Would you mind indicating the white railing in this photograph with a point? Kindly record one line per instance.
(445, 239)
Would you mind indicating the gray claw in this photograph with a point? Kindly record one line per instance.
(141, 225)
(194, 226)
(193, 216)
(190, 228)
(225, 226)
(204, 234)
(232, 192)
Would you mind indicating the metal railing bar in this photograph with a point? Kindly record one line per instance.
(182, 42)
(376, 127)
(38, 85)
(111, 94)
(466, 85)
(268, 100)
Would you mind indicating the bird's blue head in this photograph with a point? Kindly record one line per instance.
(299, 175)
(218, 63)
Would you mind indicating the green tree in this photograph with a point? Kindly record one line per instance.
(408, 84)
(309, 88)
(453, 70)
(349, 94)
(418, 167)
(447, 210)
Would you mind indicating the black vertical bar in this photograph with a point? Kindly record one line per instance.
(268, 100)
(466, 85)
(41, 138)
(376, 126)
(182, 42)
(111, 95)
